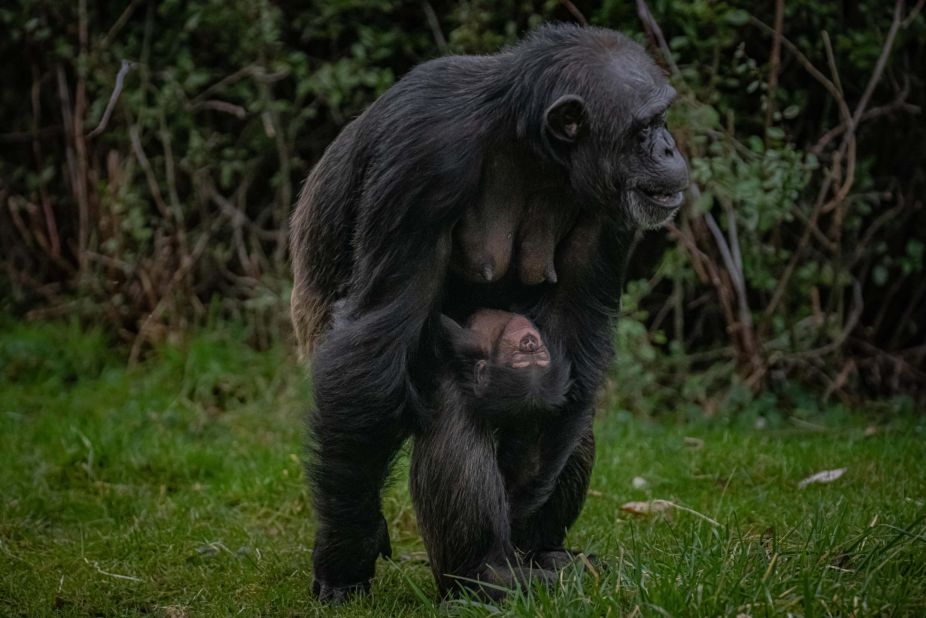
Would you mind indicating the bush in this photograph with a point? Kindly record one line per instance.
(165, 204)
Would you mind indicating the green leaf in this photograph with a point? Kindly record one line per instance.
(737, 17)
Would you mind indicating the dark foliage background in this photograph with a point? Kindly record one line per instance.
(795, 272)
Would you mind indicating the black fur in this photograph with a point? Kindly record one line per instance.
(372, 245)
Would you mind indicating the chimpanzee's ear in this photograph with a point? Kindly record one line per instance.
(565, 120)
(459, 340)
(480, 377)
(449, 325)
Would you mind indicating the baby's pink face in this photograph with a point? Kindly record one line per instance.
(510, 339)
(520, 345)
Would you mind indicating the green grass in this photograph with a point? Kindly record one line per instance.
(176, 488)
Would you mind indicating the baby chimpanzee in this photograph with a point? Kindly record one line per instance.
(499, 387)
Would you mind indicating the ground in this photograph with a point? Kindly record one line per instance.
(175, 488)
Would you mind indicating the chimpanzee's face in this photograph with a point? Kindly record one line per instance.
(620, 155)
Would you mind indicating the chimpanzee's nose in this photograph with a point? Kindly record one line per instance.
(673, 168)
(529, 344)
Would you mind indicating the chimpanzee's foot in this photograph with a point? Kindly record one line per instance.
(494, 582)
(558, 559)
(521, 575)
(335, 595)
(344, 569)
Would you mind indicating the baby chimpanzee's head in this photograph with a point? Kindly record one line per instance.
(502, 363)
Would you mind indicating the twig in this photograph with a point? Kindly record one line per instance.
(171, 177)
(774, 64)
(698, 257)
(96, 565)
(236, 216)
(679, 507)
(872, 228)
(223, 106)
(187, 263)
(434, 24)
(800, 57)
(916, 296)
(914, 12)
(285, 193)
(14, 137)
(50, 223)
(225, 81)
(848, 140)
(858, 305)
(836, 169)
(836, 385)
(848, 144)
(712, 273)
(574, 11)
(724, 248)
(733, 236)
(78, 188)
(831, 60)
(815, 230)
(877, 72)
(744, 314)
(654, 32)
(150, 176)
(127, 65)
(875, 112)
(896, 358)
(80, 142)
(119, 23)
(785, 278)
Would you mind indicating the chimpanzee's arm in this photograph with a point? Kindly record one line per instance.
(578, 318)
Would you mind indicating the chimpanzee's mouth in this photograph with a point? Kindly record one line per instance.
(529, 350)
(521, 360)
(669, 200)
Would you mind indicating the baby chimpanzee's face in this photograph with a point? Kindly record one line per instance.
(509, 339)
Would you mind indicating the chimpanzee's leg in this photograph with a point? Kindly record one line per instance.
(540, 533)
(367, 371)
(356, 429)
(461, 505)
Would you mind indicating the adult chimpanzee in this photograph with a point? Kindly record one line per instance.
(570, 120)
(499, 390)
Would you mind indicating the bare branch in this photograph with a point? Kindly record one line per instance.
(800, 57)
(899, 105)
(434, 24)
(848, 140)
(736, 275)
(914, 13)
(774, 64)
(878, 71)
(223, 106)
(127, 65)
(654, 32)
(119, 23)
(848, 144)
(575, 12)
